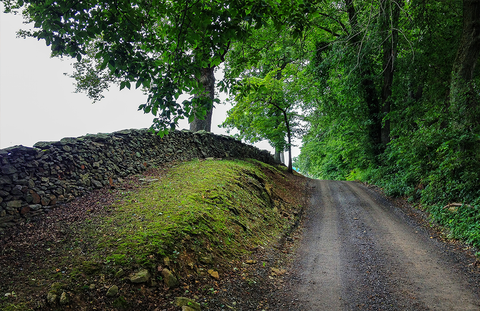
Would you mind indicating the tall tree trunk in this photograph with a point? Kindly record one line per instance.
(208, 81)
(289, 136)
(389, 30)
(368, 84)
(373, 108)
(461, 95)
(276, 157)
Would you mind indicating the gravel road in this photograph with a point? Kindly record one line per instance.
(359, 252)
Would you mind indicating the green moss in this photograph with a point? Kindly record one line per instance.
(90, 267)
(16, 307)
(217, 200)
(120, 303)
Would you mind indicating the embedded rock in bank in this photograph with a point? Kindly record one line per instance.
(187, 304)
(169, 279)
(112, 291)
(141, 276)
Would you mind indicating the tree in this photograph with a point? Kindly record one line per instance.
(463, 97)
(167, 47)
(266, 108)
(269, 84)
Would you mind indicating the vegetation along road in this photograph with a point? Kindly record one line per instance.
(359, 252)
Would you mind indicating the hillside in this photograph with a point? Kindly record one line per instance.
(192, 230)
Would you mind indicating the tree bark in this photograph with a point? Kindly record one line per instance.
(289, 136)
(461, 93)
(389, 29)
(208, 81)
(276, 157)
(368, 84)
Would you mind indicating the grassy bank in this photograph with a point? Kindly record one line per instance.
(197, 220)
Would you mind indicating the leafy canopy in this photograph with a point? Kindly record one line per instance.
(258, 109)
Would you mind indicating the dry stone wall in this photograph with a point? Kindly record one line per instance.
(34, 180)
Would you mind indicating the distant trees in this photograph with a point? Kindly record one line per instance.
(265, 109)
(269, 86)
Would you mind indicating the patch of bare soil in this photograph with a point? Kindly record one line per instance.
(39, 244)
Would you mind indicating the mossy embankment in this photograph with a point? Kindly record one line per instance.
(197, 221)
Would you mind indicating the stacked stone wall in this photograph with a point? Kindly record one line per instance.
(34, 180)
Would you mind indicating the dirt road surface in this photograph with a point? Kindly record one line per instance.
(359, 252)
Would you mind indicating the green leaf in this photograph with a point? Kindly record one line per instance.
(111, 65)
(216, 60)
(139, 83)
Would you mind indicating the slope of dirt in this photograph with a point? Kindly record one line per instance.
(253, 206)
(359, 252)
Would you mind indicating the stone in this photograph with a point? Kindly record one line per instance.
(35, 207)
(5, 218)
(17, 190)
(206, 259)
(73, 166)
(24, 210)
(52, 298)
(53, 200)
(123, 132)
(43, 144)
(5, 180)
(169, 279)
(213, 274)
(278, 272)
(187, 302)
(31, 183)
(9, 169)
(45, 201)
(141, 276)
(112, 291)
(35, 197)
(120, 273)
(14, 204)
(64, 298)
(96, 183)
(28, 198)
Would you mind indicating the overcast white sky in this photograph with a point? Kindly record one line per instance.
(38, 103)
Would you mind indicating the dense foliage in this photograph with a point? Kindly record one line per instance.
(400, 104)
